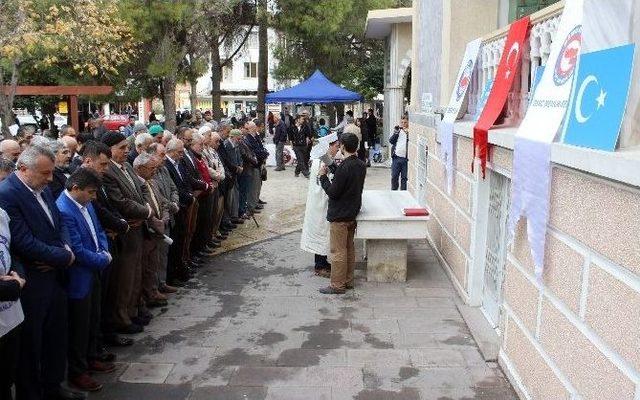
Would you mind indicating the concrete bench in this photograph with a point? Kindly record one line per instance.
(386, 231)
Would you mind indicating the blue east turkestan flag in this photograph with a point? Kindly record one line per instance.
(599, 98)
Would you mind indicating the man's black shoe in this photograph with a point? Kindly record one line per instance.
(140, 321)
(175, 283)
(257, 211)
(259, 207)
(237, 221)
(262, 202)
(279, 169)
(105, 356)
(332, 290)
(131, 329)
(221, 237)
(114, 340)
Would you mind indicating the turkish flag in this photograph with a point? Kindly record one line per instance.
(507, 70)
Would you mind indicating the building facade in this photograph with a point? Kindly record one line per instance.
(239, 82)
(575, 334)
(393, 26)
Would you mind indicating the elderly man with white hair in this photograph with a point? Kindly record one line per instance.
(40, 245)
(10, 149)
(254, 141)
(141, 144)
(177, 268)
(217, 173)
(202, 243)
(63, 156)
(145, 167)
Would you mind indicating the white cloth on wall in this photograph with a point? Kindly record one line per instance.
(445, 129)
(531, 178)
(11, 314)
(315, 228)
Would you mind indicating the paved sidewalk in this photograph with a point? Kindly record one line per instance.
(253, 326)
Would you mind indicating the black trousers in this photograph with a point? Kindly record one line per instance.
(203, 226)
(176, 268)
(43, 342)
(302, 160)
(9, 356)
(84, 325)
(106, 328)
(321, 262)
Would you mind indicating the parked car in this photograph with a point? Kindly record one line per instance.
(113, 122)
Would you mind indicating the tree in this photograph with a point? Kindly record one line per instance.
(163, 27)
(229, 26)
(263, 57)
(52, 42)
(330, 35)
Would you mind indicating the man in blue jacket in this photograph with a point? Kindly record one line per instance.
(89, 243)
(39, 243)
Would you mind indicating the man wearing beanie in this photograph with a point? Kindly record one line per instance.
(127, 195)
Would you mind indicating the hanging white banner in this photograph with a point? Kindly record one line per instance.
(445, 129)
(532, 149)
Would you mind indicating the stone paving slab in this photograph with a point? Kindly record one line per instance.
(253, 326)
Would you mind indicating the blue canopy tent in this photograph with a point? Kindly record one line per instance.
(316, 89)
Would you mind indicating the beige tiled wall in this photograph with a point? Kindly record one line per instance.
(587, 323)
(451, 224)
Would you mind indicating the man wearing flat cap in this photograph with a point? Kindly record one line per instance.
(127, 194)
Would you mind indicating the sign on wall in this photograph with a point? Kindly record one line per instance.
(530, 190)
(599, 98)
(445, 129)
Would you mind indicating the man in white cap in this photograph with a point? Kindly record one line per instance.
(315, 230)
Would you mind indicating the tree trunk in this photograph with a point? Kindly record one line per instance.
(216, 75)
(263, 58)
(193, 95)
(169, 101)
(6, 100)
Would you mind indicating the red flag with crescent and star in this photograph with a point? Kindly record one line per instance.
(507, 70)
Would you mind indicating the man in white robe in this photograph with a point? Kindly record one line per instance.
(315, 229)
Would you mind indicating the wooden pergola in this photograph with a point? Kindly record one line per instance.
(71, 91)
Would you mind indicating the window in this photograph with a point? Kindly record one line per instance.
(250, 70)
(227, 72)
(252, 40)
(520, 8)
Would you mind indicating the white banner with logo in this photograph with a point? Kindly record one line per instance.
(10, 311)
(445, 129)
(532, 149)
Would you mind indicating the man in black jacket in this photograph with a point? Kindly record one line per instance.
(279, 139)
(96, 156)
(177, 269)
(300, 136)
(345, 199)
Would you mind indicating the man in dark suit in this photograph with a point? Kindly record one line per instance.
(280, 139)
(126, 193)
(63, 156)
(177, 270)
(39, 243)
(232, 167)
(300, 137)
(198, 186)
(96, 156)
(88, 241)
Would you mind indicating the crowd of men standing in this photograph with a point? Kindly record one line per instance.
(96, 228)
